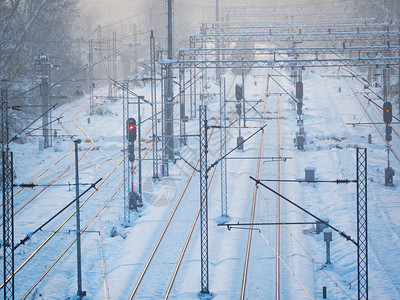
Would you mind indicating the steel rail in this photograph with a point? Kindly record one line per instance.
(89, 223)
(64, 222)
(73, 213)
(57, 178)
(149, 260)
(197, 215)
(397, 156)
(248, 247)
(56, 162)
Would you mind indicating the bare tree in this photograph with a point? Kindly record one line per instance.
(31, 27)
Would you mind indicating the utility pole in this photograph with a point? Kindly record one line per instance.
(79, 293)
(45, 94)
(126, 169)
(91, 80)
(192, 76)
(139, 125)
(154, 106)
(217, 45)
(182, 107)
(243, 94)
(223, 140)
(135, 49)
(164, 151)
(8, 202)
(169, 108)
(217, 11)
(114, 57)
(109, 59)
(99, 39)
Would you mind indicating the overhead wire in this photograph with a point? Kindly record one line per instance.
(305, 250)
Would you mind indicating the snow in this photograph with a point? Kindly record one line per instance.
(112, 263)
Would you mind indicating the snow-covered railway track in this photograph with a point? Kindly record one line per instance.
(85, 227)
(393, 147)
(157, 256)
(250, 234)
(382, 213)
(59, 173)
(62, 225)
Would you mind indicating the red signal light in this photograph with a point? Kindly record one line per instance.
(238, 91)
(131, 129)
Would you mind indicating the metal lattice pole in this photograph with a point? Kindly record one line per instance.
(192, 73)
(243, 97)
(203, 198)
(125, 114)
(169, 105)
(154, 102)
(182, 107)
(114, 57)
(109, 73)
(194, 90)
(362, 249)
(8, 203)
(139, 126)
(218, 60)
(164, 155)
(222, 139)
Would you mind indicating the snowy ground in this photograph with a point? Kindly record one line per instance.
(112, 265)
